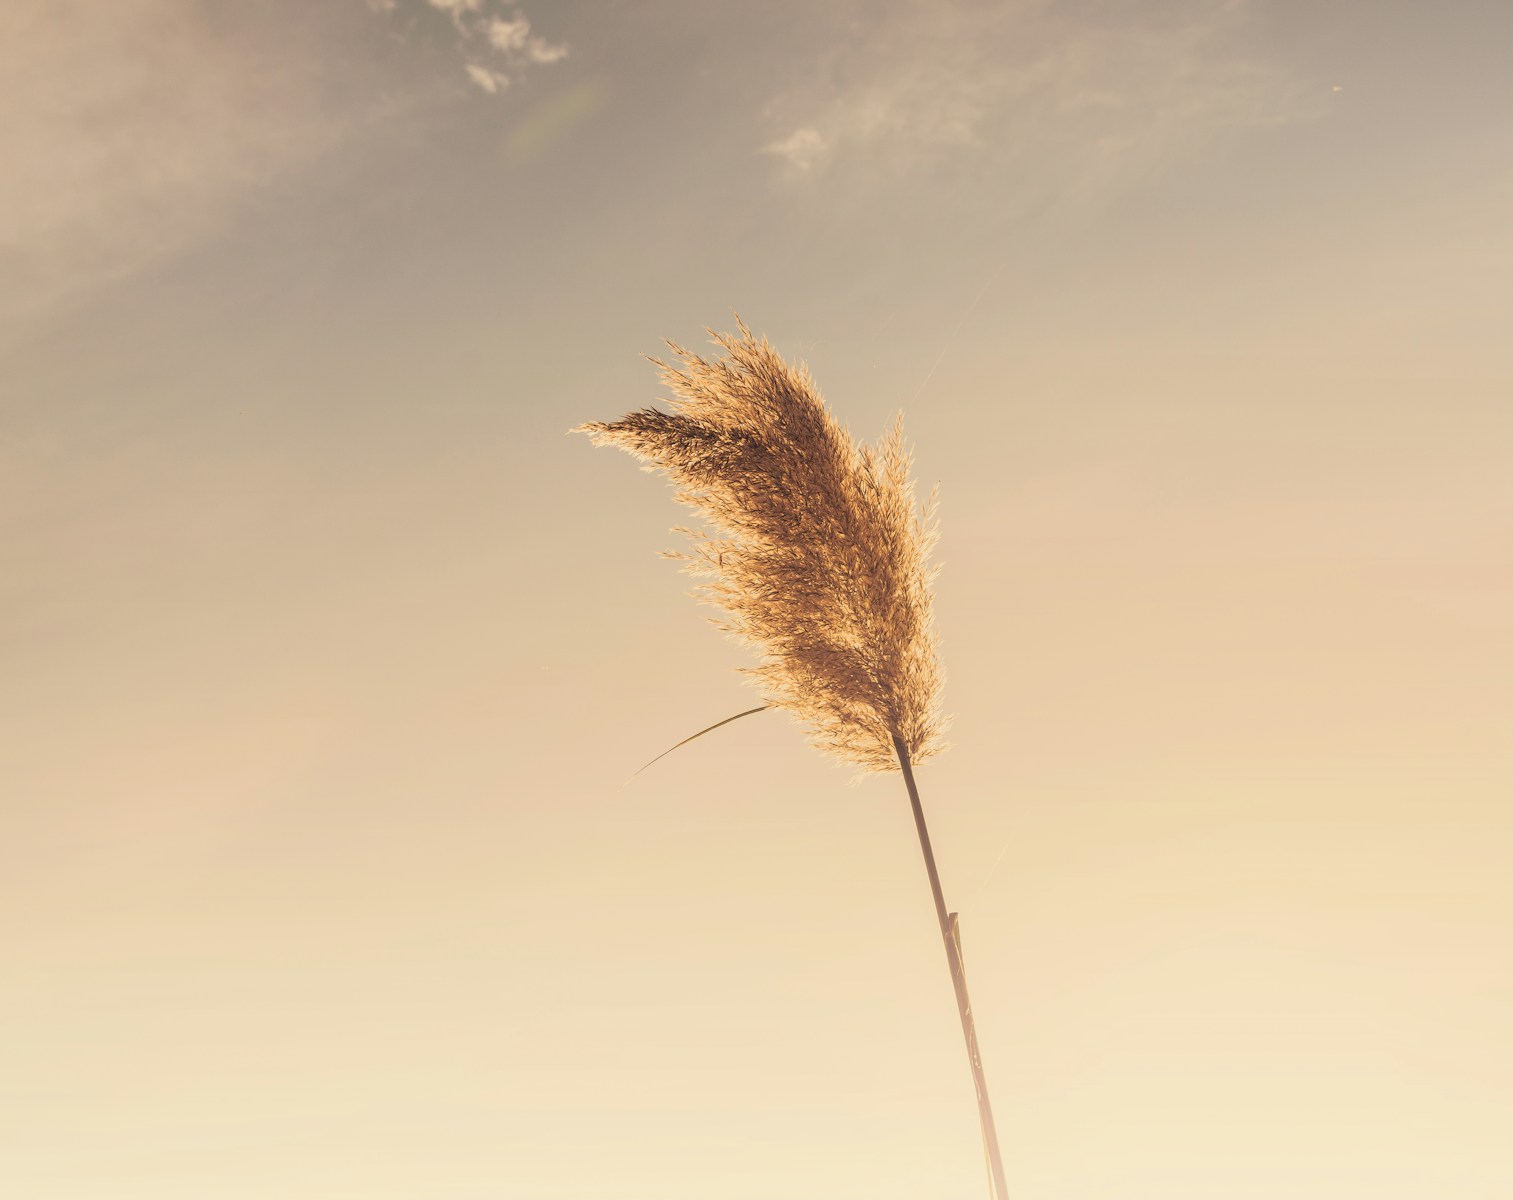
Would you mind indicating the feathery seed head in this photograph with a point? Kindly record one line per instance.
(820, 558)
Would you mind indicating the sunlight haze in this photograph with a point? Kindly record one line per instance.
(325, 651)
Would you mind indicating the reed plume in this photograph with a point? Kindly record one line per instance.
(821, 557)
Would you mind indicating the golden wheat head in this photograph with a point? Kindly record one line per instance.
(819, 555)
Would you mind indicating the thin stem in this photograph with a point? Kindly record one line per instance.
(958, 979)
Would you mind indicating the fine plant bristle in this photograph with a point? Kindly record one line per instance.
(819, 555)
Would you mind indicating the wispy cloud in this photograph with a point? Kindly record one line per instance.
(507, 35)
(489, 81)
(136, 130)
(802, 149)
(1029, 80)
(541, 51)
(491, 41)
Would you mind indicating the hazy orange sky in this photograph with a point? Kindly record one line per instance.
(324, 653)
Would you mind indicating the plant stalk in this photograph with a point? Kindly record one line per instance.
(958, 980)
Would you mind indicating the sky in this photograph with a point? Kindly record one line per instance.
(325, 653)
